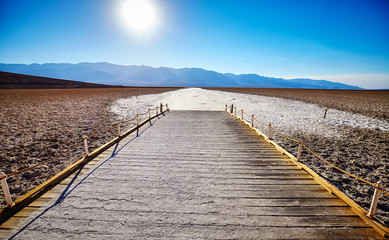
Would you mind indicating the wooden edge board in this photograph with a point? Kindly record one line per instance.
(379, 227)
(9, 211)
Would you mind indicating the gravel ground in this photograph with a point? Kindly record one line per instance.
(354, 142)
(39, 124)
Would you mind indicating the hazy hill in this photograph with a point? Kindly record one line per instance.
(21, 81)
(112, 74)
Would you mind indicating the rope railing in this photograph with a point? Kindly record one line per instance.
(345, 172)
(378, 186)
(141, 114)
(265, 124)
(46, 161)
(3, 176)
(282, 135)
(102, 132)
(129, 120)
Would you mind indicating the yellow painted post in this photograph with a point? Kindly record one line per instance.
(86, 145)
(252, 120)
(374, 201)
(269, 136)
(299, 151)
(5, 187)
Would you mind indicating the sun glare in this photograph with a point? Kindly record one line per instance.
(139, 15)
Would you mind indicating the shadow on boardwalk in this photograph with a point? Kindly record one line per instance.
(74, 180)
(196, 175)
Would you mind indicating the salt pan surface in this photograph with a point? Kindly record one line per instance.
(284, 114)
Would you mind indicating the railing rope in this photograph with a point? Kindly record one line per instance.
(86, 145)
(3, 176)
(377, 186)
(5, 187)
(374, 200)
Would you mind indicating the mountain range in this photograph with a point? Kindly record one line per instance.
(22, 81)
(145, 76)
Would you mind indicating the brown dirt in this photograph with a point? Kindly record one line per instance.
(371, 103)
(39, 124)
(363, 152)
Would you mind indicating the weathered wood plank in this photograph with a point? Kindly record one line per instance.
(194, 175)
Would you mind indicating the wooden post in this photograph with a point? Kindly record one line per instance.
(232, 109)
(167, 108)
(149, 114)
(156, 111)
(269, 136)
(118, 129)
(325, 113)
(299, 151)
(374, 201)
(86, 145)
(5, 187)
(161, 108)
(252, 120)
(226, 107)
(235, 111)
(137, 124)
(242, 114)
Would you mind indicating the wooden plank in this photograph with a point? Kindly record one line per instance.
(8, 212)
(378, 226)
(205, 192)
(12, 223)
(26, 212)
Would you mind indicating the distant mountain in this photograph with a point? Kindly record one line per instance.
(112, 74)
(21, 81)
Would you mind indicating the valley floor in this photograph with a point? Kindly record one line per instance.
(38, 124)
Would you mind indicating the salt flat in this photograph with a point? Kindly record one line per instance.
(285, 114)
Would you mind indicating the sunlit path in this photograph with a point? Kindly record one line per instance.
(196, 175)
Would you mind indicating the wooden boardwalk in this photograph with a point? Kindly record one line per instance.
(191, 175)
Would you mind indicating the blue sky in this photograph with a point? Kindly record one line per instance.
(345, 41)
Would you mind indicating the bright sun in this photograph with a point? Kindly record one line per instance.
(139, 15)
